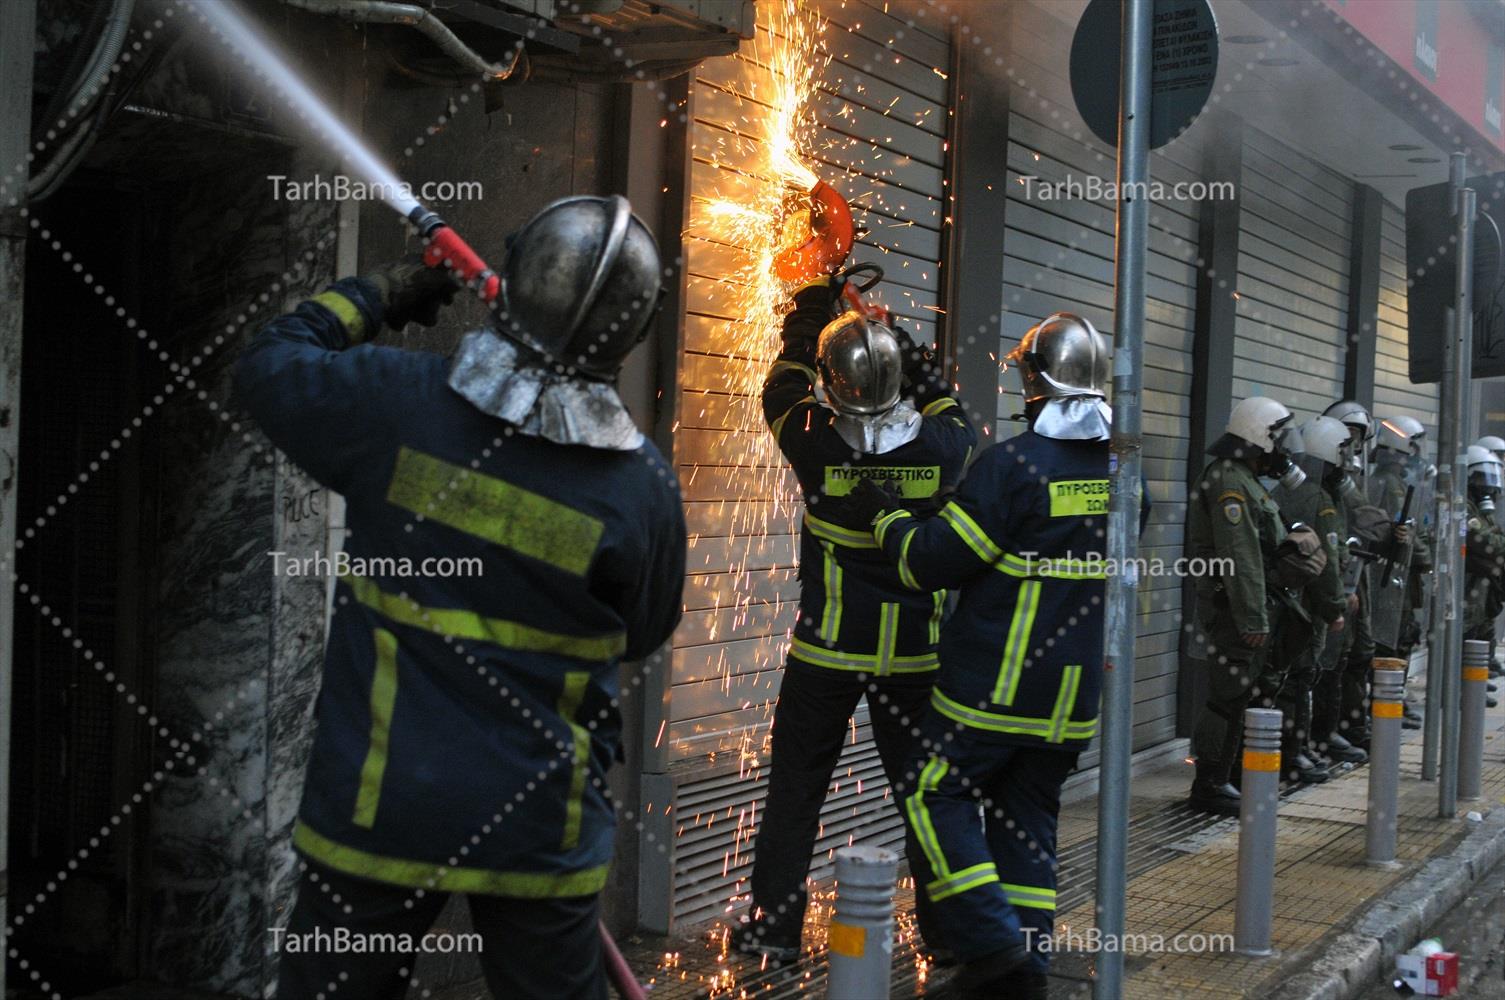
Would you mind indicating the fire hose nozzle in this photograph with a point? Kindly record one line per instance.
(445, 248)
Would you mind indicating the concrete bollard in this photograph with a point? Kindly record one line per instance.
(1256, 834)
(1386, 709)
(861, 935)
(1471, 721)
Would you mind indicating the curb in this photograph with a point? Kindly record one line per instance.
(1396, 920)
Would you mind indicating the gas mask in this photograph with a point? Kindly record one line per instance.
(1484, 487)
(1278, 464)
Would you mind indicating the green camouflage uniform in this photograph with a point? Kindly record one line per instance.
(1231, 517)
(1483, 564)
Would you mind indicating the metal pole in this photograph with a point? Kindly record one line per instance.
(1471, 723)
(1256, 833)
(1431, 735)
(1387, 702)
(1121, 617)
(861, 935)
(1450, 533)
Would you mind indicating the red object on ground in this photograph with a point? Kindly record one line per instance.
(1442, 974)
(617, 970)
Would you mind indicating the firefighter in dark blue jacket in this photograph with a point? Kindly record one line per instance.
(466, 724)
(862, 628)
(1016, 699)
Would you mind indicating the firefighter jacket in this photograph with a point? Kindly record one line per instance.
(466, 722)
(1311, 504)
(1484, 570)
(857, 611)
(1233, 517)
(1024, 540)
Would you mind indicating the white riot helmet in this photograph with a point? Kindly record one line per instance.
(1326, 438)
(1400, 434)
(1494, 444)
(1486, 476)
(1267, 426)
(1352, 415)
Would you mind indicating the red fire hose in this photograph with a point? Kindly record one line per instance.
(617, 970)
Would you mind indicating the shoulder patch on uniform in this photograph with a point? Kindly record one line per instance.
(1332, 539)
(1474, 525)
(1328, 512)
(1233, 510)
(1232, 495)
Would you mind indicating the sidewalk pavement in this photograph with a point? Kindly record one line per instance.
(1338, 923)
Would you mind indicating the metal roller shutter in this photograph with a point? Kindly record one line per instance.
(880, 139)
(1394, 395)
(1059, 256)
(1295, 240)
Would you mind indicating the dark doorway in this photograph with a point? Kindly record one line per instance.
(80, 747)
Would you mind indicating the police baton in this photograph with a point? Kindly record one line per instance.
(1405, 515)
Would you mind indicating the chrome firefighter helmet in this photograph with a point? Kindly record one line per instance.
(1060, 357)
(581, 283)
(1494, 444)
(1326, 438)
(1352, 414)
(1401, 434)
(861, 365)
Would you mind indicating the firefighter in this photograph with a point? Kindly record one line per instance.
(1484, 562)
(466, 724)
(1315, 502)
(1016, 699)
(1232, 521)
(1399, 468)
(860, 632)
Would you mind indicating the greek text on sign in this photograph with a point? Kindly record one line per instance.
(1076, 497)
(912, 481)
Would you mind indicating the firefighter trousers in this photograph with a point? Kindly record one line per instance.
(811, 722)
(340, 937)
(984, 814)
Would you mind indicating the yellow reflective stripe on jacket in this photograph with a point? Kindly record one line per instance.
(939, 612)
(347, 312)
(888, 637)
(880, 529)
(919, 816)
(962, 881)
(830, 615)
(1017, 725)
(427, 875)
(383, 700)
(1050, 568)
(496, 510)
(778, 424)
(459, 624)
(852, 538)
(938, 406)
(971, 532)
(906, 575)
(1030, 896)
(1014, 650)
(1071, 681)
(866, 662)
(569, 705)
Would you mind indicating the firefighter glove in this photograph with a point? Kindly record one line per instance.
(870, 500)
(412, 292)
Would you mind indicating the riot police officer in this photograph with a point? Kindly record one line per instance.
(1484, 563)
(1314, 501)
(1400, 469)
(862, 629)
(1497, 447)
(1232, 517)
